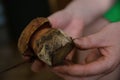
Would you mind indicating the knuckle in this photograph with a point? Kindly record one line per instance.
(88, 42)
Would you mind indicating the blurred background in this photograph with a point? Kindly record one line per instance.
(14, 16)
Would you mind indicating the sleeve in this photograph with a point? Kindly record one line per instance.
(113, 15)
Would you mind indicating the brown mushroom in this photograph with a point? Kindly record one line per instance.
(49, 44)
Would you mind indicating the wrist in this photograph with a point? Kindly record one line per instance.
(75, 19)
(88, 11)
(79, 11)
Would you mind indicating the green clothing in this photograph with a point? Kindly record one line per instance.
(113, 15)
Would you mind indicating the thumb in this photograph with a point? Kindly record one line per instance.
(91, 41)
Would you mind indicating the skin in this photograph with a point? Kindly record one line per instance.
(102, 42)
(108, 47)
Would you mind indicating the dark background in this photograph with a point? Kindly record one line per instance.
(14, 16)
(20, 12)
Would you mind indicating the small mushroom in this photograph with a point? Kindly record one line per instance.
(49, 44)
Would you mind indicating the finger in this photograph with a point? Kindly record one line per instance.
(100, 66)
(92, 56)
(37, 66)
(59, 19)
(97, 77)
(59, 74)
(68, 77)
(91, 41)
(29, 56)
(26, 58)
(70, 55)
(75, 31)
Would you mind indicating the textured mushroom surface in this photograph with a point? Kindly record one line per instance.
(53, 46)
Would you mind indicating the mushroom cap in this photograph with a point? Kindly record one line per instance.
(25, 37)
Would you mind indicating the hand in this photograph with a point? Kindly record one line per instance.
(72, 19)
(73, 16)
(107, 41)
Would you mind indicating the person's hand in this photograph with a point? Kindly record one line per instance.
(108, 42)
(72, 19)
